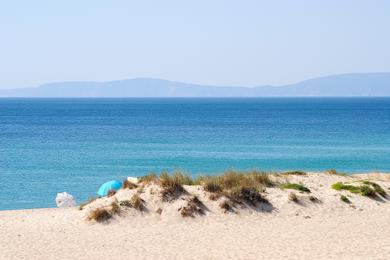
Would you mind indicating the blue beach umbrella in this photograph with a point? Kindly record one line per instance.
(110, 185)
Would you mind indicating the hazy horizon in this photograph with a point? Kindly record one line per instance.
(223, 43)
(357, 84)
(191, 83)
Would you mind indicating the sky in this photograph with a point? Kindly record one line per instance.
(215, 42)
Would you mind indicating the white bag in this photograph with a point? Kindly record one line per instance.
(64, 200)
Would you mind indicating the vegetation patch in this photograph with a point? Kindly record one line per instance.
(299, 173)
(212, 185)
(149, 178)
(215, 196)
(227, 206)
(115, 208)
(129, 185)
(193, 207)
(135, 202)
(378, 189)
(171, 186)
(364, 190)
(334, 172)
(99, 215)
(295, 186)
(293, 197)
(341, 186)
(314, 199)
(238, 186)
(250, 195)
(344, 198)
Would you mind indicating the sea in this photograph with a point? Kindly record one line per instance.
(74, 145)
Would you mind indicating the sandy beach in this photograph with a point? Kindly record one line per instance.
(306, 229)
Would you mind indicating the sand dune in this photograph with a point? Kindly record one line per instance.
(328, 228)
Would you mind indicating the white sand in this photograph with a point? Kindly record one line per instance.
(330, 229)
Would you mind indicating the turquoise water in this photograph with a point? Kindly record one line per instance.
(74, 145)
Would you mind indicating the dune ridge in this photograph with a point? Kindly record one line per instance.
(317, 225)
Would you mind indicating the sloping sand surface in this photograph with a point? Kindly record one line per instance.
(330, 229)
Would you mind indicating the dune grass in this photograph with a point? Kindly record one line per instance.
(135, 202)
(299, 173)
(377, 188)
(99, 215)
(335, 172)
(171, 185)
(193, 207)
(129, 185)
(240, 186)
(115, 208)
(295, 186)
(364, 190)
(149, 178)
(226, 206)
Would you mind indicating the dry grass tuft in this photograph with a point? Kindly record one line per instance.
(227, 206)
(171, 186)
(239, 187)
(314, 199)
(334, 172)
(99, 215)
(135, 202)
(247, 194)
(182, 178)
(293, 197)
(212, 185)
(129, 185)
(115, 208)
(215, 196)
(299, 173)
(194, 207)
(149, 178)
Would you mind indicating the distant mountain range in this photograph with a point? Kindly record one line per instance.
(345, 85)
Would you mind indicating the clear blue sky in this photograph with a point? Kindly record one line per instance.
(201, 41)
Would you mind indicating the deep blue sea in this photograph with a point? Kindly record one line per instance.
(74, 145)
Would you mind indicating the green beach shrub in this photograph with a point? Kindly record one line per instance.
(364, 190)
(344, 198)
(378, 189)
(295, 186)
(341, 186)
